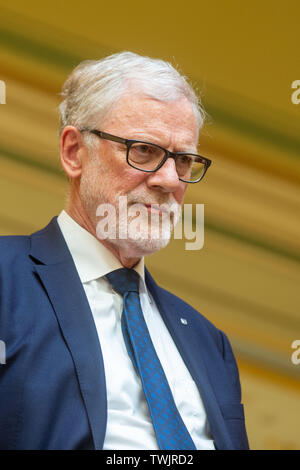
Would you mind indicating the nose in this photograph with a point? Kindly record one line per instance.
(166, 178)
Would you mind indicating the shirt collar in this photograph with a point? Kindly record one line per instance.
(92, 259)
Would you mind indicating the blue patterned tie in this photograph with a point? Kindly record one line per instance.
(170, 430)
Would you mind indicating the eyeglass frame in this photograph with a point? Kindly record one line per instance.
(129, 142)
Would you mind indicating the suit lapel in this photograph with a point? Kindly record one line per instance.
(59, 277)
(189, 346)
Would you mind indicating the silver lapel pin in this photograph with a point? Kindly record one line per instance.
(183, 321)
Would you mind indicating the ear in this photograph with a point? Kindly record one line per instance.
(72, 151)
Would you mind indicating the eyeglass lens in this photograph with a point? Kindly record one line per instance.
(145, 156)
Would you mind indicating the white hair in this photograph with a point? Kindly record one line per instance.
(94, 86)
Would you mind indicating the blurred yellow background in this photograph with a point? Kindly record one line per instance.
(243, 58)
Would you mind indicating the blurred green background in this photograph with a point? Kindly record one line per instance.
(243, 58)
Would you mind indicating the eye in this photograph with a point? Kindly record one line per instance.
(186, 160)
(144, 149)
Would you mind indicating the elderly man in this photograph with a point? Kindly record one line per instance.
(98, 356)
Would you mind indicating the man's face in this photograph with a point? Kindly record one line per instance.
(106, 175)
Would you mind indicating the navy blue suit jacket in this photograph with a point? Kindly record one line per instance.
(52, 387)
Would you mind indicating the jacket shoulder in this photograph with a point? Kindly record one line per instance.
(12, 246)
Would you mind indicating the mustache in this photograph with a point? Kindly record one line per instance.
(167, 208)
(163, 203)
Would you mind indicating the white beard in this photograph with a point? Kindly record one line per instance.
(130, 225)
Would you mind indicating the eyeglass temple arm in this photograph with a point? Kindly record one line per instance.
(104, 135)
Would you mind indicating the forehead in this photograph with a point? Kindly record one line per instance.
(135, 115)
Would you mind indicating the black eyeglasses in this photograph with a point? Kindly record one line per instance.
(149, 157)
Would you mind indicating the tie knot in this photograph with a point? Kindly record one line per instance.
(124, 280)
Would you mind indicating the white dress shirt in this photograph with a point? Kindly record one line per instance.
(129, 425)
